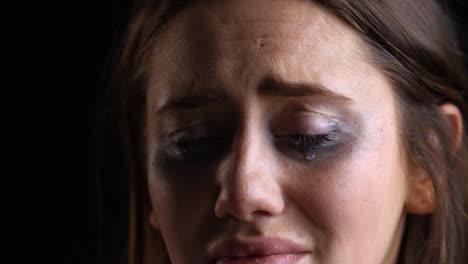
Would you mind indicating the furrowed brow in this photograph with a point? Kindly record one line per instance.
(193, 101)
(276, 87)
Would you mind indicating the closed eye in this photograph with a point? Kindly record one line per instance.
(306, 146)
(308, 142)
(190, 146)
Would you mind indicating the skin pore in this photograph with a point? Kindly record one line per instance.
(267, 119)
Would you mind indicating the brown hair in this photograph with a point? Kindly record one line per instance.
(413, 42)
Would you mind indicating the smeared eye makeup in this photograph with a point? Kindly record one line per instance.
(298, 133)
(195, 144)
(307, 136)
(199, 143)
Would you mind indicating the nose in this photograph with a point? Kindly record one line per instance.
(249, 182)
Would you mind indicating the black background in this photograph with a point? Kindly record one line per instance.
(61, 207)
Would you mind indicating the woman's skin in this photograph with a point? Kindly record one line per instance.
(267, 119)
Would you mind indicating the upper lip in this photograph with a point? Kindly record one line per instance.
(255, 248)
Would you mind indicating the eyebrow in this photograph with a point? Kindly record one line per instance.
(268, 87)
(276, 87)
(209, 96)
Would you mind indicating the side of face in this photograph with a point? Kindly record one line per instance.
(266, 119)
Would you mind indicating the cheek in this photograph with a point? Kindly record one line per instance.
(359, 198)
(181, 206)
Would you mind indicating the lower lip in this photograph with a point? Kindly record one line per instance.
(272, 259)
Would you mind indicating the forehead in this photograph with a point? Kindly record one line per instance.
(247, 19)
(237, 43)
(208, 29)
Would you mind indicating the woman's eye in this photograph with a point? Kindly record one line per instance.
(194, 145)
(307, 146)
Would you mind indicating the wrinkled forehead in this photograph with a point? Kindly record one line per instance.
(221, 39)
(273, 25)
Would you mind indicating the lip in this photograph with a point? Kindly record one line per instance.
(258, 251)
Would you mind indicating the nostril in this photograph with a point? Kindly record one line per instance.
(245, 202)
(261, 213)
(221, 206)
(229, 205)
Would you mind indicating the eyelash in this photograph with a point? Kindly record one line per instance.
(308, 142)
(185, 147)
(307, 146)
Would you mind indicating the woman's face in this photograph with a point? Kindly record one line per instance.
(272, 138)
